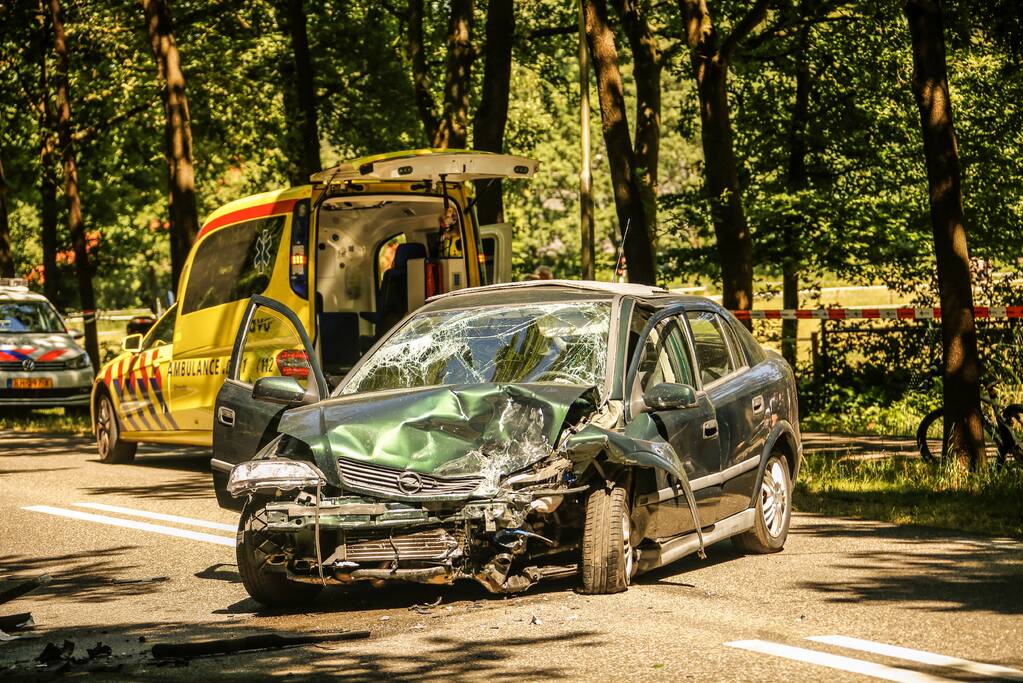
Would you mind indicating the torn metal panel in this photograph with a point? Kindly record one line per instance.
(640, 445)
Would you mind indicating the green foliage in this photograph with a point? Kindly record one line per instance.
(909, 491)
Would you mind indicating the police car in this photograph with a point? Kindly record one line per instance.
(41, 364)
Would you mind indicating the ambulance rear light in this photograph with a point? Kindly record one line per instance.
(293, 363)
(298, 259)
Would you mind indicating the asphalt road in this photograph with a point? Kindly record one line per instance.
(835, 604)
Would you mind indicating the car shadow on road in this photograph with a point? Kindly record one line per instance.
(920, 568)
(421, 598)
(35, 444)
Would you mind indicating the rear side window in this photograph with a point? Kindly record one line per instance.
(233, 263)
(710, 346)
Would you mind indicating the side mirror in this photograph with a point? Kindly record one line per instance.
(132, 343)
(76, 334)
(669, 396)
(284, 390)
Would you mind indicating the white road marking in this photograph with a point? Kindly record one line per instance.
(922, 657)
(859, 666)
(176, 519)
(132, 524)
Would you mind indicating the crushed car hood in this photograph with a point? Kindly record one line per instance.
(464, 430)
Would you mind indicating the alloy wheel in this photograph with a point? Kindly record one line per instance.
(774, 499)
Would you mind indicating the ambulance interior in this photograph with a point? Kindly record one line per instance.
(377, 258)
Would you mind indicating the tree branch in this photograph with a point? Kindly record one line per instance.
(743, 28)
(86, 134)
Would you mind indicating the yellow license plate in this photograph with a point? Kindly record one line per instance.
(32, 383)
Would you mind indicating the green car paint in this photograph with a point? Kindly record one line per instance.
(447, 431)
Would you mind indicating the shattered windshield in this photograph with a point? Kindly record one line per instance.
(563, 342)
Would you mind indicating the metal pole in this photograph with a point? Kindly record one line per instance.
(585, 192)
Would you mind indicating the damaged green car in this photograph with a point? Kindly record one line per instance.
(505, 434)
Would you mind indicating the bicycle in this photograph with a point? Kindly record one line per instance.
(1002, 426)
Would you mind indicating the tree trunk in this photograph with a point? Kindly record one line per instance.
(452, 131)
(47, 181)
(300, 93)
(587, 261)
(420, 71)
(735, 248)
(646, 71)
(48, 226)
(6, 257)
(492, 114)
(797, 182)
(74, 207)
(621, 158)
(710, 61)
(184, 221)
(964, 433)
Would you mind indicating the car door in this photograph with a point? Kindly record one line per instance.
(271, 341)
(689, 430)
(723, 375)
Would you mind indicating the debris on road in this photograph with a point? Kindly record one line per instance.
(154, 579)
(20, 588)
(100, 650)
(53, 654)
(16, 622)
(225, 646)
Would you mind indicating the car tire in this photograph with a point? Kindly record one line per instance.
(251, 550)
(112, 450)
(773, 511)
(607, 554)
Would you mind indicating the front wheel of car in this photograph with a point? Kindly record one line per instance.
(773, 511)
(253, 548)
(607, 557)
(112, 450)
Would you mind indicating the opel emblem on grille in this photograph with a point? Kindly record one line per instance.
(28, 364)
(409, 483)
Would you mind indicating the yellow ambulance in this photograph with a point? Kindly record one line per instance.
(350, 254)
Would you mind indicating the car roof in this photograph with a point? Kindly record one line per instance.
(19, 294)
(560, 290)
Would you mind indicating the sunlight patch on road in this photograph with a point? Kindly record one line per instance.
(134, 524)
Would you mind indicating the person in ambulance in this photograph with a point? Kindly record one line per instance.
(351, 253)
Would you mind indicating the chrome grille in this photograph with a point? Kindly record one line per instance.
(16, 366)
(436, 544)
(360, 475)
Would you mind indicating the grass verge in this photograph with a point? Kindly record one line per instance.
(59, 420)
(910, 491)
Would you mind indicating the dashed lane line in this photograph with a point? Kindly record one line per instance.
(922, 657)
(133, 524)
(176, 519)
(887, 673)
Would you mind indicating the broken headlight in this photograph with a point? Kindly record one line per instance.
(273, 474)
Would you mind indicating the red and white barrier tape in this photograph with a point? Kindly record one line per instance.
(993, 312)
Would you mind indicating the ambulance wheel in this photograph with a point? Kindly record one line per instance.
(254, 547)
(112, 450)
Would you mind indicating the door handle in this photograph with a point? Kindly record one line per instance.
(710, 429)
(758, 404)
(226, 416)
